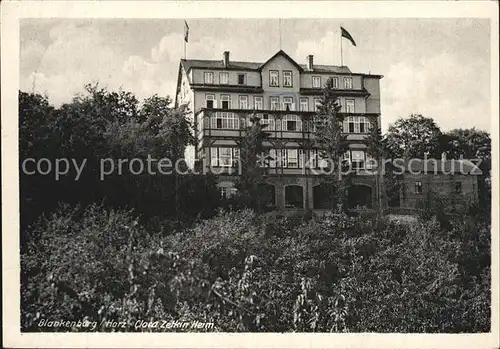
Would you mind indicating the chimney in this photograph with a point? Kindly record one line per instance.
(225, 62)
(310, 62)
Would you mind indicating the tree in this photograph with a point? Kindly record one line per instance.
(252, 164)
(472, 144)
(376, 148)
(414, 137)
(105, 125)
(332, 143)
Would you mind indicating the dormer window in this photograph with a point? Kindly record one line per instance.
(241, 79)
(335, 82)
(316, 81)
(348, 83)
(223, 78)
(287, 78)
(209, 77)
(274, 78)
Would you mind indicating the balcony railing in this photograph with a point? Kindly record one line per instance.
(298, 122)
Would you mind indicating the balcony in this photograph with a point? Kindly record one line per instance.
(231, 123)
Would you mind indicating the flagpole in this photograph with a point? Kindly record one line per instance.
(280, 31)
(341, 52)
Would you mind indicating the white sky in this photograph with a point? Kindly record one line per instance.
(437, 67)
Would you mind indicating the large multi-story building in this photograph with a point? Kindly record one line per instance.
(223, 94)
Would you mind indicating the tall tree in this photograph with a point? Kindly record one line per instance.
(332, 143)
(252, 164)
(377, 150)
(414, 137)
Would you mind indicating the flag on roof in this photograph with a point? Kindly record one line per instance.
(348, 36)
(186, 32)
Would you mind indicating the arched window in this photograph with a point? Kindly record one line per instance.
(267, 194)
(359, 197)
(321, 197)
(226, 190)
(294, 196)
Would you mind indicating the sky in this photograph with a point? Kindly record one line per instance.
(439, 68)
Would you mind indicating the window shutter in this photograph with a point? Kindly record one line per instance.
(301, 158)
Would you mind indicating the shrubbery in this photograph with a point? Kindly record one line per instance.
(248, 272)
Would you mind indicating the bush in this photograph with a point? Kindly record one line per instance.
(248, 272)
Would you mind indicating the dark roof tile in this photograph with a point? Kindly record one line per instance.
(217, 64)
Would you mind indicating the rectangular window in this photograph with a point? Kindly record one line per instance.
(458, 187)
(275, 103)
(225, 157)
(313, 158)
(223, 78)
(210, 101)
(287, 78)
(292, 158)
(257, 102)
(225, 120)
(317, 103)
(243, 102)
(316, 81)
(269, 121)
(225, 101)
(288, 104)
(358, 159)
(291, 123)
(335, 82)
(348, 83)
(304, 104)
(356, 124)
(214, 157)
(242, 79)
(272, 161)
(274, 78)
(349, 105)
(370, 162)
(418, 187)
(209, 77)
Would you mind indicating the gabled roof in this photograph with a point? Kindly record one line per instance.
(188, 64)
(281, 53)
